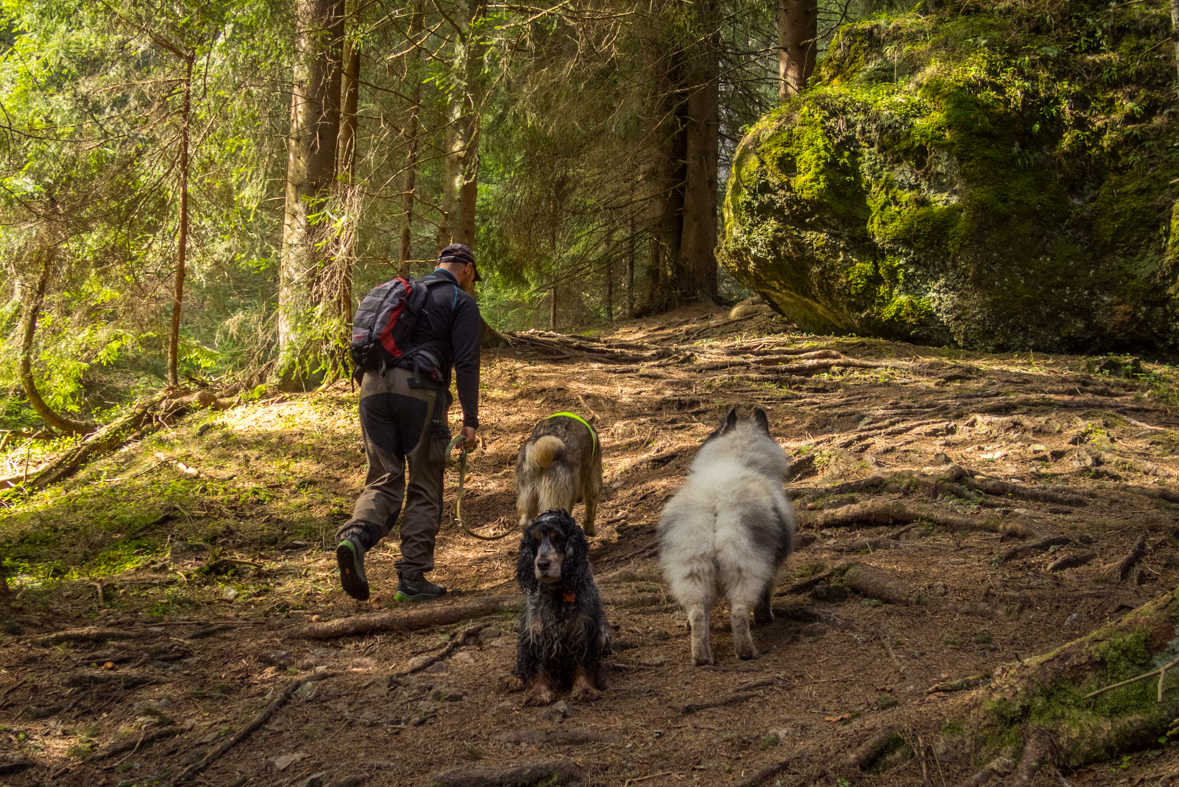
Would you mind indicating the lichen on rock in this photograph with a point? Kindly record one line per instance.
(983, 178)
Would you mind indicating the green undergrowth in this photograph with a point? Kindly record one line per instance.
(182, 504)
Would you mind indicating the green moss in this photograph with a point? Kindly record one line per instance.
(971, 179)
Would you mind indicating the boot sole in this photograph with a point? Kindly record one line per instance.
(350, 571)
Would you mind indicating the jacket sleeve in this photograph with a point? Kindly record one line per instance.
(464, 337)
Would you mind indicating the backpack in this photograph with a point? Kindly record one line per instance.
(385, 319)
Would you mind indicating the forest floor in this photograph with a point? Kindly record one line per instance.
(202, 557)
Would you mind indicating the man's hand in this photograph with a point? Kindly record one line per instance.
(469, 441)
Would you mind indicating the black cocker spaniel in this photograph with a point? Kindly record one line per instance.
(563, 631)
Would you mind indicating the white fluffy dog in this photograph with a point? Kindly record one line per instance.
(729, 529)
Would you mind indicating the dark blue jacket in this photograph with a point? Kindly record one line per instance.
(449, 329)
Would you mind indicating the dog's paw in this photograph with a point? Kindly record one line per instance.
(585, 694)
(539, 698)
(511, 684)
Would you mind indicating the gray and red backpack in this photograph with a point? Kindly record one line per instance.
(384, 321)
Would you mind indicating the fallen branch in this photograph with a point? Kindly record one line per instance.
(409, 621)
(1161, 672)
(123, 679)
(1131, 560)
(257, 722)
(810, 582)
(548, 772)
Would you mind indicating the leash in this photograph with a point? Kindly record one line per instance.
(458, 502)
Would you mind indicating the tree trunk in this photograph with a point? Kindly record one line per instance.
(416, 25)
(28, 330)
(798, 29)
(182, 232)
(462, 160)
(553, 309)
(702, 146)
(631, 248)
(1175, 30)
(311, 169)
(346, 175)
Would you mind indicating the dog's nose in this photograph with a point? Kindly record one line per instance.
(543, 565)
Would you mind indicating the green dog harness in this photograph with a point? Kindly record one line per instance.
(576, 417)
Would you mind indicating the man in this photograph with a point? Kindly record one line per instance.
(403, 418)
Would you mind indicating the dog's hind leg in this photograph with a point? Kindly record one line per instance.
(739, 612)
(527, 506)
(701, 646)
(763, 612)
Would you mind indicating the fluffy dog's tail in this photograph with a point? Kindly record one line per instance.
(540, 454)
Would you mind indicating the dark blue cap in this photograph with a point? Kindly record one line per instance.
(459, 254)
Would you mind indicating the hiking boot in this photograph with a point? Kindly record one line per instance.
(350, 556)
(419, 589)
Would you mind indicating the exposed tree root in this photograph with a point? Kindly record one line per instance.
(255, 724)
(1071, 561)
(1019, 550)
(995, 768)
(871, 581)
(735, 699)
(124, 680)
(548, 772)
(90, 634)
(1036, 754)
(466, 634)
(870, 750)
(1131, 560)
(134, 745)
(877, 513)
(409, 621)
(959, 684)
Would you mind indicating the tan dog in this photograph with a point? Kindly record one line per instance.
(559, 465)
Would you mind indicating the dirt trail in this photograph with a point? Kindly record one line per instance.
(999, 495)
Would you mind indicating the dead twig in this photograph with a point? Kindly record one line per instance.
(451, 647)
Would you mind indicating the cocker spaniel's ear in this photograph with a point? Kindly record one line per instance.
(526, 564)
(575, 568)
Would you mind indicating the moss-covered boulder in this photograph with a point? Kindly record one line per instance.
(998, 175)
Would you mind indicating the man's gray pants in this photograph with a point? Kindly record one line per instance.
(396, 423)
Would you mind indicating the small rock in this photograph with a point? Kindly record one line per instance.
(490, 633)
(417, 662)
(938, 589)
(426, 709)
(464, 658)
(941, 458)
(283, 761)
(660, 635)
(653, 661)
(505, 705)
(230, 594)
(1071, 620)
(447, 694)
(436, 669)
